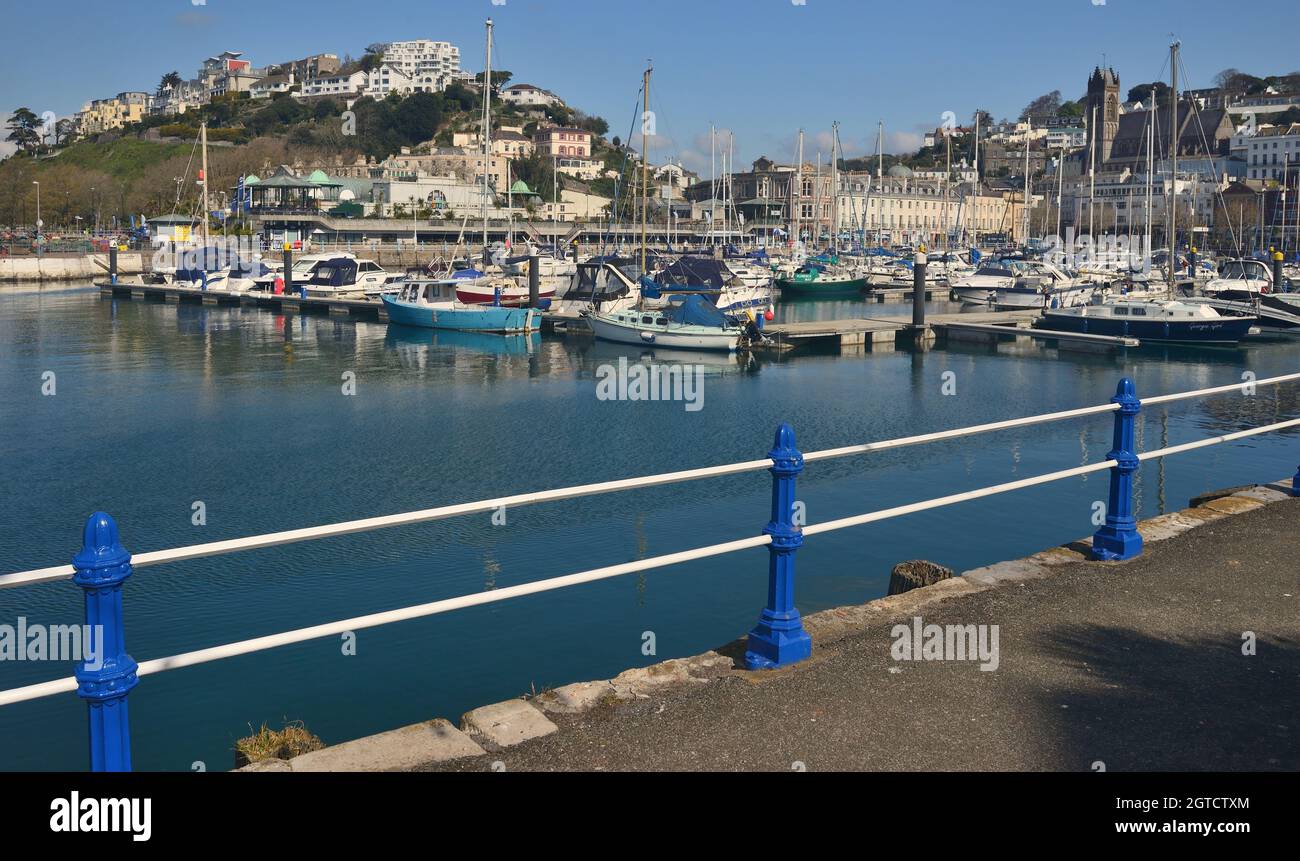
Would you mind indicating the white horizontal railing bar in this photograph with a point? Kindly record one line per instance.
(258, 644)
(955, 498)
(36, 692)
(913, 508)
(921, 439)
(1205, 443)
(1218, 390)
(235, 545)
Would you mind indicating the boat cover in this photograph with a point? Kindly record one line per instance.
(338, 272)
(694, 272)
(695, 310)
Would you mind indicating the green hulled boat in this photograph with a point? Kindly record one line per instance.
(820, 279)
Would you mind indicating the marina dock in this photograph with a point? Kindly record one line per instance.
(977, 326)
(848, 334)
(282, 303)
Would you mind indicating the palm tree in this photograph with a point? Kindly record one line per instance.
(170, 81)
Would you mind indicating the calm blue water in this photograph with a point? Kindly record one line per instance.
(159, 406)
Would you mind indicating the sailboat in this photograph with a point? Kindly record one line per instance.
(689, 320)
(1156, 321)
(437, 303)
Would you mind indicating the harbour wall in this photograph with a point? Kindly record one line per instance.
(81, 267)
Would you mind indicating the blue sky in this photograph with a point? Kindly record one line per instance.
(760, 69)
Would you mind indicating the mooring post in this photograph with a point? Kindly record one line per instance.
(288, 269)
(918, 289)
(1119, 538)
(112, 263)
(104, 682)
(779, 638)
(1277, 271)
(534, 281)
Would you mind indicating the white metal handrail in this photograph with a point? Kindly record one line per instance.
(258, 644)
(311, 533)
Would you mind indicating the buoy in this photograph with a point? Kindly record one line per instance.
(768, 315)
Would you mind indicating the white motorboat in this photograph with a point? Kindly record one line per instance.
(1240, 280)
(979, 287)
(1042, 285)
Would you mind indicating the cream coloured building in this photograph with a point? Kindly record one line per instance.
(102, 115)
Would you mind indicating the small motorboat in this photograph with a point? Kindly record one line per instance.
(1240, 280)
(432, 304)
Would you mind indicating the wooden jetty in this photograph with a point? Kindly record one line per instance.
(979, 327)
(283, 303)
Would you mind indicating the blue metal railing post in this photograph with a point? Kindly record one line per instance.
(1119, 538)
(779, 638)
(101, 567)
(1295, 484)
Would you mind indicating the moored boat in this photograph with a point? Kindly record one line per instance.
(1168, 322)
(689, 322)
(432, 304)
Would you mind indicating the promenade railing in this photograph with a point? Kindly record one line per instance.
(778, 639)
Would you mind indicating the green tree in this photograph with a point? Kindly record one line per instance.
(374, 57)
(24, 130)
(1142, 93)
(499, 79)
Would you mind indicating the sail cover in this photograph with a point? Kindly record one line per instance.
(695, 310)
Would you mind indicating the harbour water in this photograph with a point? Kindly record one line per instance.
(158, 407)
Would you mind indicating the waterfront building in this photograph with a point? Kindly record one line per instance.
(563, 141)
(427, 65)
(529, 96)
(576, 202)
(227, 72)
(101, 115)
(1271, 153)
(342, 84)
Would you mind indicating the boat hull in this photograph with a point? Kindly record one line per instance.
(511, 297)
(1220, 332)
(608, 331)
(796, 287)
(479, 318)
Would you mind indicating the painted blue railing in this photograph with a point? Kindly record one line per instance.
(778, 639)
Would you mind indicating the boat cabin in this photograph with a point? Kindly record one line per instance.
(428, 292)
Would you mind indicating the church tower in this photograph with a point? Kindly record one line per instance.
(1103, 95)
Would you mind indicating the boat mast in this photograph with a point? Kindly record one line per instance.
(796, 197)
(203, 135)
(487, 134)
(835, 190)
(1060, 190)
(1173, 152)
(1092, 170)
(645, 161)
(1151, 165)
(948, 215)
(974, 185)
(817, 204)
(713, 184)
(1026, 213)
